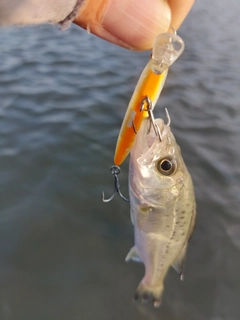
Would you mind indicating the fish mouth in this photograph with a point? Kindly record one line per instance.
(152, 135)
(147, 138)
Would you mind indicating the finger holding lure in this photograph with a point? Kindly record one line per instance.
(166, 49)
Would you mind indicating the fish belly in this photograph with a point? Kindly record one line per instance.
(161, 234)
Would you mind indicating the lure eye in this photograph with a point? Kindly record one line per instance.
(167, 166)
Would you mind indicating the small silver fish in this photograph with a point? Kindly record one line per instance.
(163, 209)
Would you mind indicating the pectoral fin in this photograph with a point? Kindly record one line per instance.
(132, 255)
(179, 262)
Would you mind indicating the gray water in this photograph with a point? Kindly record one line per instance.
(62, 100)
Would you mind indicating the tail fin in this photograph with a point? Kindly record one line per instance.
(147, 293)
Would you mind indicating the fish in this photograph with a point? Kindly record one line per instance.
(162, 206)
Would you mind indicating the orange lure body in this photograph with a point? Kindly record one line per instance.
(149, 85)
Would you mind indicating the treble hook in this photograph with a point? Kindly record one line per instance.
(115, 170)
(146, 105)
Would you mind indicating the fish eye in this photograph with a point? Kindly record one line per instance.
(167, 166)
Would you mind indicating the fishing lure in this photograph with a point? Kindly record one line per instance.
(166, 49)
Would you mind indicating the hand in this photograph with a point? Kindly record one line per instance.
(132, 24)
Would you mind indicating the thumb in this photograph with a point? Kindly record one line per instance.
(132, 24)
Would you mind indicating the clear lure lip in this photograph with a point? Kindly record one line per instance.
(166, 49)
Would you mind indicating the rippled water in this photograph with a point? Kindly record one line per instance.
(62, 100)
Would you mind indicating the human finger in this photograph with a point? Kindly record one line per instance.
(132, 24)
(179, 11)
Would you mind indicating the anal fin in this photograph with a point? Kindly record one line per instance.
(132, 255)
(179, 262)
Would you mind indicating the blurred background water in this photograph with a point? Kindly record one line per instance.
(62, 100)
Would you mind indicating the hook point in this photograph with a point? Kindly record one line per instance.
(115, 170)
